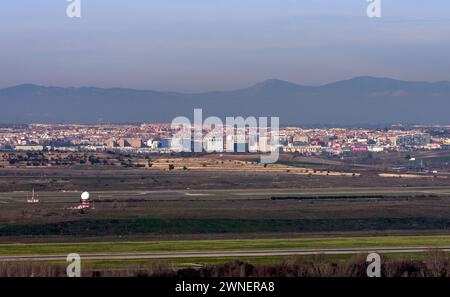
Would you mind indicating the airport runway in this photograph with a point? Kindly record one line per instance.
(247, 253)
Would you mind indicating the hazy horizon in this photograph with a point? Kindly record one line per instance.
(205, 45)
(228, 90)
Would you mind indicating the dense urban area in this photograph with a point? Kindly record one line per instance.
(157, 138)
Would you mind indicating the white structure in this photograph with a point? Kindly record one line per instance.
(213, 144)
(84, 204)
(33, 198)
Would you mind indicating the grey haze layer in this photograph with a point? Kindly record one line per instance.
(362, 100)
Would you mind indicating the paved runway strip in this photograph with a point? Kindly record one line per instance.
(259, 253)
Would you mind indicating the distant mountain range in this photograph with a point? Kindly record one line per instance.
(361, 100)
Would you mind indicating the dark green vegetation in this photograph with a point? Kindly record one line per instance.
(355, 197)
(142, 226)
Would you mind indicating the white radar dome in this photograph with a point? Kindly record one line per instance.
(85, 196)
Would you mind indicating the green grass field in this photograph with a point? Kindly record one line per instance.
(223, 245)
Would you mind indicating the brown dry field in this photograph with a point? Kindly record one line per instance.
(215, 172)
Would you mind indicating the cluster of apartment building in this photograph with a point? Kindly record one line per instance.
(160, 138)
(338, 140)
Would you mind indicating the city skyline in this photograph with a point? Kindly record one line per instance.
(164, 138)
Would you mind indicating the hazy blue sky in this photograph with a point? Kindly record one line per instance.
(193, 45)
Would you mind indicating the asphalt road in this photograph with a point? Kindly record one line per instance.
(247, 253)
